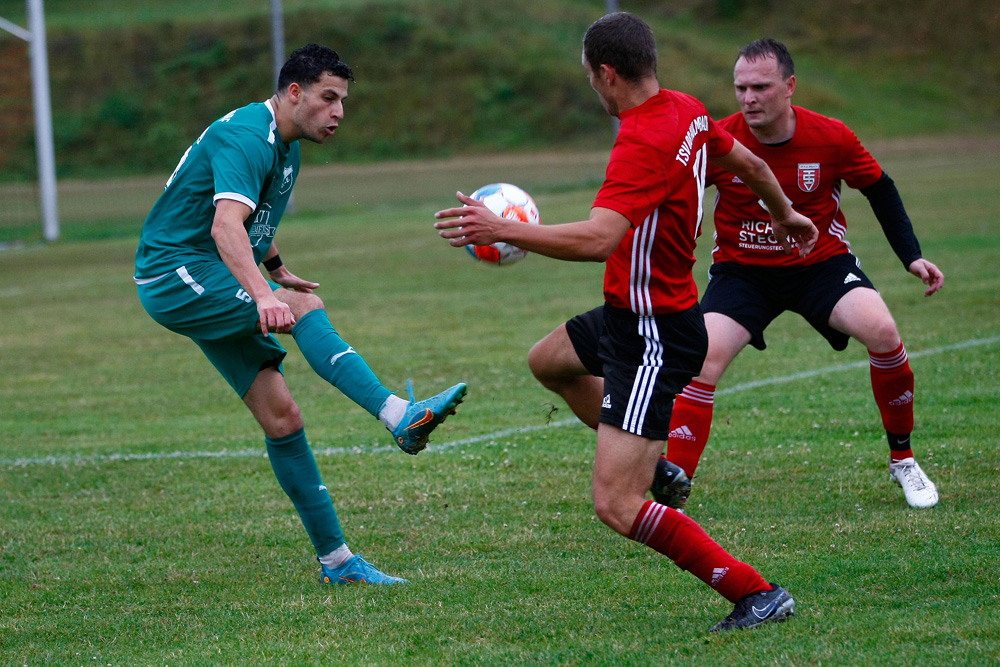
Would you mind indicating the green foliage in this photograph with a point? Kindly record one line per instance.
(132, 87)
(142, 525)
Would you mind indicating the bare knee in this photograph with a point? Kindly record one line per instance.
(612, 510)
(863, 315)
(884, 337)
(878, 335)
(554, 361)
(300, 302)
(604, 508)
(272, 404)
(538, 362)
(312, 302)
(284, 420)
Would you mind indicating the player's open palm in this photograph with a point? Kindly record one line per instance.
(471, 223)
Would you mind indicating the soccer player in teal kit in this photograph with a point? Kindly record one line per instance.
(197, 275)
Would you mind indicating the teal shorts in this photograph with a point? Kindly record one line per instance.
(203, 301)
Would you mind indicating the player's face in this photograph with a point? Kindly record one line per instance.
(321, 108)
(764, 95)
(598, 83)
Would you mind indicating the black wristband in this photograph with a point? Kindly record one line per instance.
(273, 264)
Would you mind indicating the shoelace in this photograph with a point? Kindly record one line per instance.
(914, 479)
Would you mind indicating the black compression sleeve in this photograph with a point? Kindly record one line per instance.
(887, 205)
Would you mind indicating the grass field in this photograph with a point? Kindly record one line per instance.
(141, 524)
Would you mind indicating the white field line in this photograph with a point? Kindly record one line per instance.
(372, 449)
(857, 364)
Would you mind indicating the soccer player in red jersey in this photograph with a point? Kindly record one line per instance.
(753, 281)
(651, 340)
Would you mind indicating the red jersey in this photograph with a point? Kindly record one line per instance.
(656, 179)
(810, 167)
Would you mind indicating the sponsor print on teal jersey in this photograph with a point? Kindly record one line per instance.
(239, 157)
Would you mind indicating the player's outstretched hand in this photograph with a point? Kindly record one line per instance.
(289, 280)
(472, 223)
(798, 228)
(929, 273)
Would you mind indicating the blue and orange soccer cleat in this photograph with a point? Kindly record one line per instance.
(423, 417)
(356, 570)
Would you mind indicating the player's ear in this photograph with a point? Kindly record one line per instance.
(791, 85)
(609, 73)
(294, 92)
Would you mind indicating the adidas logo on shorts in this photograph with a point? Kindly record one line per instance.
(851, 278)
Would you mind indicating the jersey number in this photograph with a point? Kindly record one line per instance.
(700, 167)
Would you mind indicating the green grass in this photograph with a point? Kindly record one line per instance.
(140, 523)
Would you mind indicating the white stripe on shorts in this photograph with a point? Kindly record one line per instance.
(645, 378)
(147, 281)
(189, 281)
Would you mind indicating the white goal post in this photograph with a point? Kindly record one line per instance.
(34, 35)
(42, 103)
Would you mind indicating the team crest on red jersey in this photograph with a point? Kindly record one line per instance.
(808, 176)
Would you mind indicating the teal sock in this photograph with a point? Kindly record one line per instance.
(336, 362)
(295, 467)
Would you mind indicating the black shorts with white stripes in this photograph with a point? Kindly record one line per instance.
(755, 295)
(645, 361)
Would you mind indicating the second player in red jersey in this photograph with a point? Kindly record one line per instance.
(752, 282)
(823, 154)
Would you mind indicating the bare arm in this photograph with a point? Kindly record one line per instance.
(786, 222)
(234, 247)
(591, 240)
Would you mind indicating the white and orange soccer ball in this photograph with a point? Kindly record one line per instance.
(512, 203)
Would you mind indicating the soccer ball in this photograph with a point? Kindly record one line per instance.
(512, 203)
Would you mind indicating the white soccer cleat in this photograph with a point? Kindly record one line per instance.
(917, 487)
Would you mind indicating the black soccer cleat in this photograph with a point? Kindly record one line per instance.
(752, 610)
(671, 486)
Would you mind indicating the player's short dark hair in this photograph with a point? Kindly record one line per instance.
(308, 65)
(623, 41)
(762, 48)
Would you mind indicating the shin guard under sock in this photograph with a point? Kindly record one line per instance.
(295, 467)
(690, 425)
(336, 362)
(685, 542)
(892, 385)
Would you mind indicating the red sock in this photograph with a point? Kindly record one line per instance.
(892, 385)
(690, 425)
(683, 541)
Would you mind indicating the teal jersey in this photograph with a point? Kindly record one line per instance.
(239, 157)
